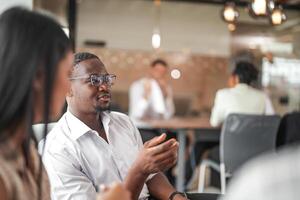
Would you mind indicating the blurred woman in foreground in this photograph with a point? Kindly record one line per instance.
(35, 61)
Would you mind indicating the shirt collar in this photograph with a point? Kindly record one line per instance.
(78, 128)
(241, 85)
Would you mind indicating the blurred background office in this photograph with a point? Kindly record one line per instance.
(192, 36)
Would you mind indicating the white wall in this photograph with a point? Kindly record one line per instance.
(128, 24)
(5, 4)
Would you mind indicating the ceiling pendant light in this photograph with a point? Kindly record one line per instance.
(277, 16)
(229, 13)
(156, 37)
(231, 27)
(259, 8)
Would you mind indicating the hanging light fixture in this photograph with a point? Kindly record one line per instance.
(229, 13)
(231, 27)
(156, 38)
(277, 16)
(257, 8)
(261, 8)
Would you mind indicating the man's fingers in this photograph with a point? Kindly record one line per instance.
(156, 140)
(166, 164)
(164, 147)
(170, 154)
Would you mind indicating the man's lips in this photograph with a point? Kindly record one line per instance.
(104, 97)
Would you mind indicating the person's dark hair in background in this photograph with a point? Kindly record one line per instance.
(32, 46)
(159, 61)
(246, 72)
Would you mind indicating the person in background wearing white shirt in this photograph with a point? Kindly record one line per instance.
(91, 146)
(151, 97)
(242, 97)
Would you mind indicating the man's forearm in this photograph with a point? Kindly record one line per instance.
(134, 182)
(159, 186)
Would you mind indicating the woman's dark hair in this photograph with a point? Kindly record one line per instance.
(30, 43)
(246, 72)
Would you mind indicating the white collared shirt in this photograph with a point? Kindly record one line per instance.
(240, 99)
(157, 105)
(78, 160)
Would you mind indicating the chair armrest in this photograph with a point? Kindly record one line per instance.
(212, 164)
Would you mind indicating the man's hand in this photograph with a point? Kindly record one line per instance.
(157, 155)
(115, 192)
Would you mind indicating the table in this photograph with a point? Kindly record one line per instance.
(181, 125)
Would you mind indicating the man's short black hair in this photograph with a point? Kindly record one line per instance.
(159, 61)
(246, 72)
(82, 56)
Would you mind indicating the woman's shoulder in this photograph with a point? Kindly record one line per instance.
(8, 178)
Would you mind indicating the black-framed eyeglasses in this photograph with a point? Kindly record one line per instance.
(97, 80)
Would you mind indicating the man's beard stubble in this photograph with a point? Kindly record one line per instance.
(99, 109)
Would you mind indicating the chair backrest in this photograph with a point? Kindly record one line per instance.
(288, 132)
(246, 136)
(38, 130)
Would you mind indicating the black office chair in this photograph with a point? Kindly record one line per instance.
(288, 132)
(203, 196)
(198, 196)
(242, 138)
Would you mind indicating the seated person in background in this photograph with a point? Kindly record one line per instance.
(242, 98)
(151, 97)
(91, 146)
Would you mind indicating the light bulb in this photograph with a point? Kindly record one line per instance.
(229, 13)
(155, 40)
(175, 74)
(277, 16)
(259, 7)
(231, 27)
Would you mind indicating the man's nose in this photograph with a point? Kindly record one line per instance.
(103, 87)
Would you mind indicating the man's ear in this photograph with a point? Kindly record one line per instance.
(70, 92)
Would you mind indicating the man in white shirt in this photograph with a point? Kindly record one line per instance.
(151, 97)
(91, 146)
(242, 98)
